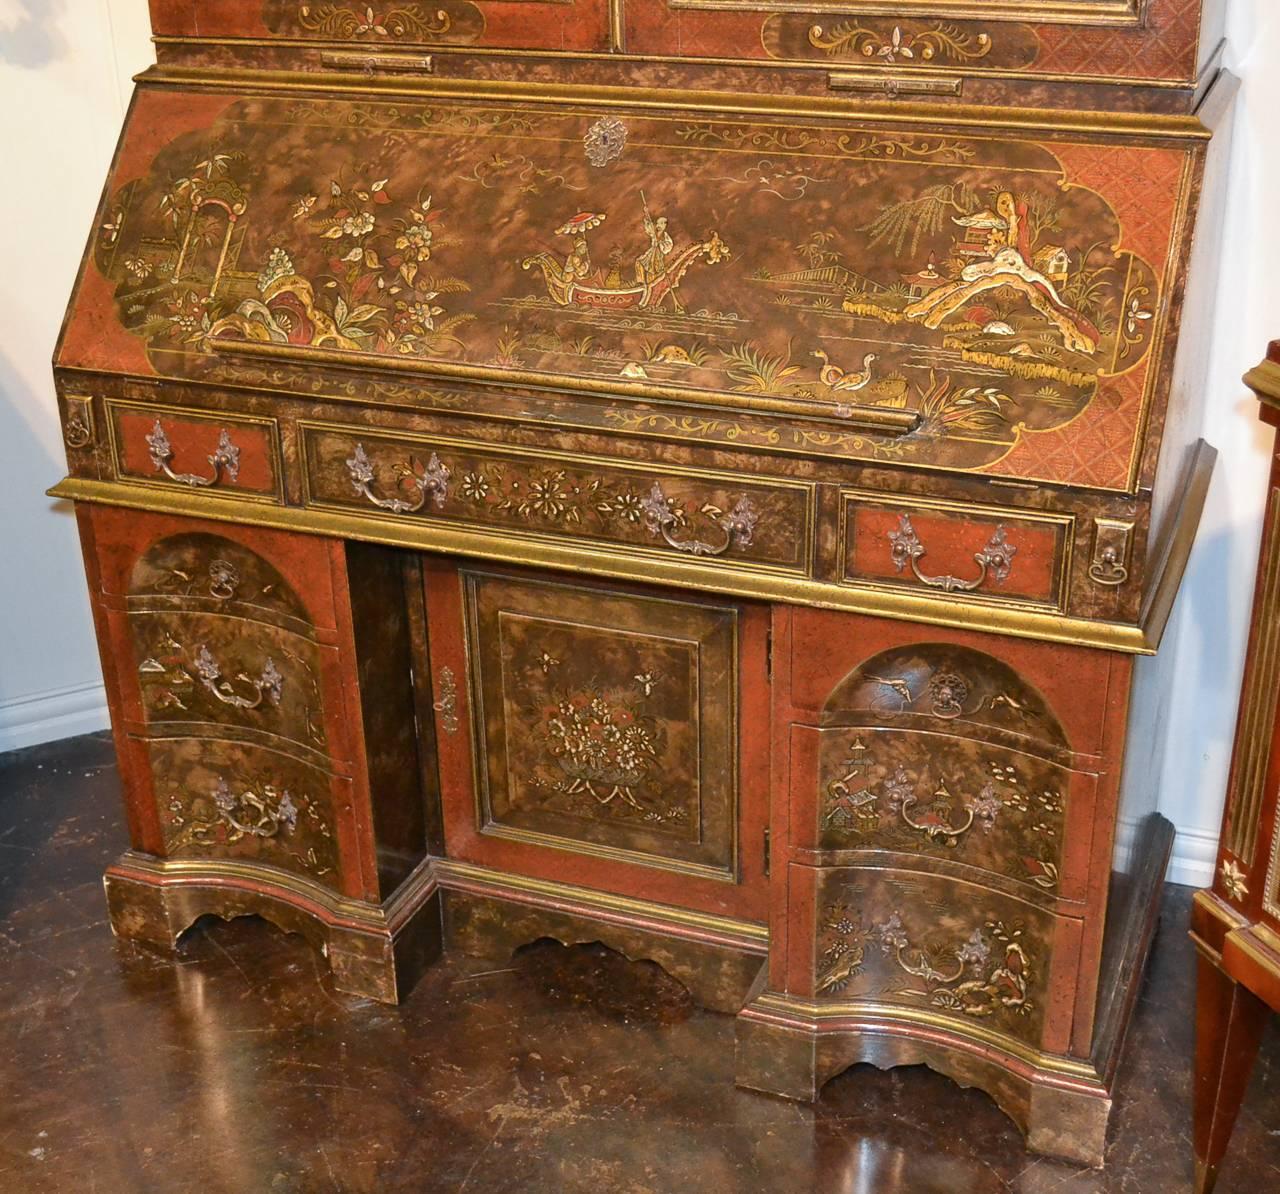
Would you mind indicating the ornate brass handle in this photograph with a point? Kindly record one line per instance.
(245, 815)
(267, 687)
(432, 480)
(662, 516)
(251, 815)
(996, 558)
(937, 824)
(224, 458)
(1107, 568)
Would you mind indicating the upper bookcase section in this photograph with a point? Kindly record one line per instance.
(1039, 51)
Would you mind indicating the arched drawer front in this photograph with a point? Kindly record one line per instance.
(219, 799)
(959, 801)
(205, 669)
(931, 947)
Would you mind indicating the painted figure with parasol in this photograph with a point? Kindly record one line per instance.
(658, 270)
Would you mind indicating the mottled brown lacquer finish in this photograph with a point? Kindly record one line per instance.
(929, 943)
(399, 754)
(659, 795)
(606, 720)
(719, 975)
(752, 277)
(959, 800)
(558, 494)
(196, 570)
(226, 799)
(201, 669)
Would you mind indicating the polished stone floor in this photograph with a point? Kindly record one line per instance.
(234, 1066)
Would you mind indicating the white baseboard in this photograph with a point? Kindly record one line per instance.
(1194, 853)
(48, 716)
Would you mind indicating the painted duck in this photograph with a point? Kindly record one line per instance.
(839, 379)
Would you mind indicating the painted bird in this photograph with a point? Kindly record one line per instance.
(838, 379)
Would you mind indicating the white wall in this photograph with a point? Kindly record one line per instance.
(64, 82)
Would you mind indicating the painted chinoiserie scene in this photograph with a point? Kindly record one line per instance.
(993, 289)
(698, 479)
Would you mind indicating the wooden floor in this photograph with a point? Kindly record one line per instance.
(235, 1067)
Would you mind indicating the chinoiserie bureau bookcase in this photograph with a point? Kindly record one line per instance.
(1236, 924)
(696, 475)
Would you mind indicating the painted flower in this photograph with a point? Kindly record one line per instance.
(222, 796)
(292, 317)
(423, 314)
(1136, 314)
(279, 265)
(359, 223)
(415, 241)
(475, 488)
(893, 49)
(627, 506)
(139, 268)
(546, 499)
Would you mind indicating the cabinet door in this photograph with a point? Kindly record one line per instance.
(598, 734)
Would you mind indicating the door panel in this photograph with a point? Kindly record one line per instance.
(591, 734)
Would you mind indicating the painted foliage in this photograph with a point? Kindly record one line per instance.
(979, 283)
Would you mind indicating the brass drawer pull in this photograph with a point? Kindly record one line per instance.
(661, 516)
(224, 458)
(251, 815)
(432, 480)
(995, 559)
(939, 825)
(415, 64)
(894, 85)
(267, 687)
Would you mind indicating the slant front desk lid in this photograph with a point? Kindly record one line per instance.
(958, 296)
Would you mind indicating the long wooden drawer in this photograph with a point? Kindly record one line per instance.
(236, 455)
(960, 801)
(653, 510)
(956, 549)
(217, 798)
(933, 945)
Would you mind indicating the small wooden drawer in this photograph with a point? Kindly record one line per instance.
(231, 800)
(956, 550)
(213, 453)
(208, 669)
(161, 561)
(656, 510)
(1022, 820)
(933, 946)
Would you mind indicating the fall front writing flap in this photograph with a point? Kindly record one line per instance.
(998, 299)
